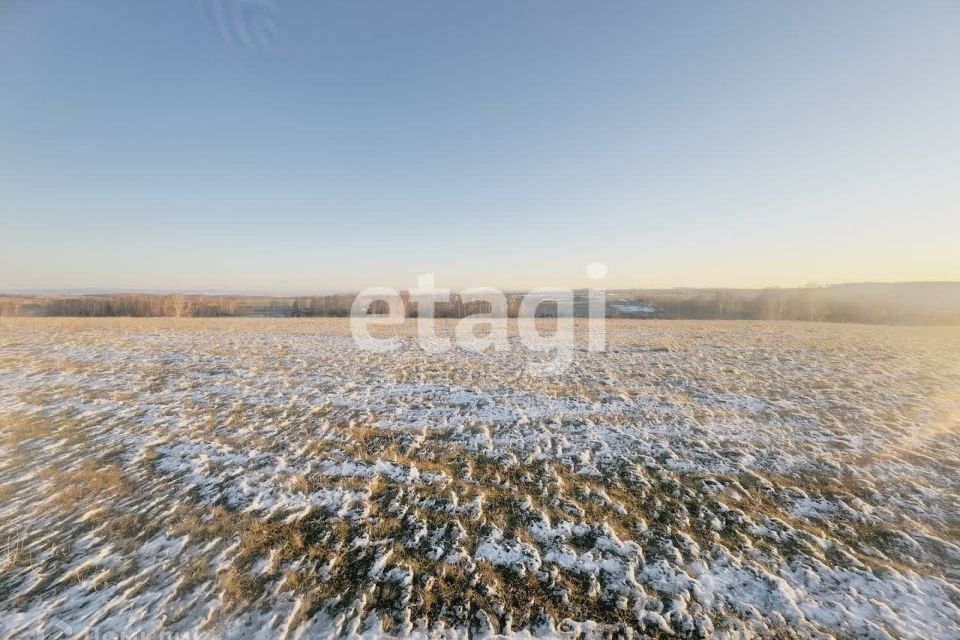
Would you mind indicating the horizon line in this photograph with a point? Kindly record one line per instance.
(79, 291)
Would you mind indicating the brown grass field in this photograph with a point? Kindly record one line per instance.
(264, 478)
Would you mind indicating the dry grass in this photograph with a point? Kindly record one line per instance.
(170, 430)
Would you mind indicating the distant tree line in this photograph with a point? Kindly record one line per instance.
(814, 304)
(144, 305)
(767, 304)
(917, 303)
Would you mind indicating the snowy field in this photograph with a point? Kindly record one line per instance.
(265, 478)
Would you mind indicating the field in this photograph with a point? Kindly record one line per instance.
(265, 478)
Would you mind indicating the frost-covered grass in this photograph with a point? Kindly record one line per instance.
(257, 478)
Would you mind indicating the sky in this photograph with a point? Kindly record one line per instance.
(305, 146)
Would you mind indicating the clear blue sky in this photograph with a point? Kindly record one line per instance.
(161, 145)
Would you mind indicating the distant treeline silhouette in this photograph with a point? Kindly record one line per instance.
(146, 305)
(903, 303)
